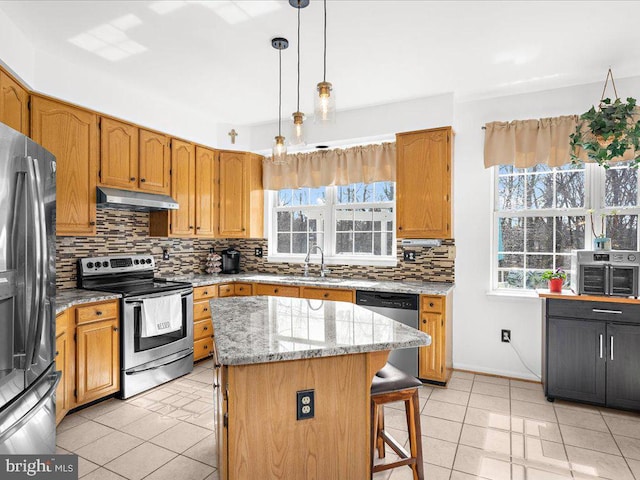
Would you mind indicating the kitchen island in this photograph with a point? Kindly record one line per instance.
(268, 349)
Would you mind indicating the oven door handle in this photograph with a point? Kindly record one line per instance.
(138, 300)
(155, 367)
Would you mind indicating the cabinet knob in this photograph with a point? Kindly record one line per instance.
(198, 228)
(275, 290)
(206, 309)
(326, 295)
(98, 313)
(424, 321)
(190, 227)
(115, 329)
(206, 292)
(399, 228)
(143, 180)
(57, 353)
(133, 179)
(206, 328)
(431, 304)
(93, 224)
(243, 229)
(206, 347)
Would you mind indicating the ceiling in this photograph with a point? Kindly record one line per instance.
(216, 55)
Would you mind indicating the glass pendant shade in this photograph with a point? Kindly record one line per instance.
(325, 104)
(279, 152)
(297, 129)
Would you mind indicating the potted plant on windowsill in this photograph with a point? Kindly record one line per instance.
(556, 279)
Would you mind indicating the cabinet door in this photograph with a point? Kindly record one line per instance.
(623, 365)
(98, 362)
(233, 198)
(423, 184)
(14, 104)
(155, 163)
(118, 154)
(62, 392)
(205, 193)
(183, 188)
(71, 134)
(576, 363)
(431, 359)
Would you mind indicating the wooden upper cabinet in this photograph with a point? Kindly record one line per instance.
(118, 154)
(14, 104)
(71, 134)
(155, 163)
(241, 195)
(205, 192)
(183, 188)
(423, 184)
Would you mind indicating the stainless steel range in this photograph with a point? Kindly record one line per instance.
(156, 319)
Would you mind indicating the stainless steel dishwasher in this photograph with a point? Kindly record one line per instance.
(403, 308)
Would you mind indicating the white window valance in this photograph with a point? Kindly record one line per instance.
(367, 164)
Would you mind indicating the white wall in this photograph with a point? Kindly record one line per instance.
(478, 318)
(108, 94)
(16, 51)
(365, 123)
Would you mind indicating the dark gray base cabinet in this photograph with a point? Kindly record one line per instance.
(592, 352)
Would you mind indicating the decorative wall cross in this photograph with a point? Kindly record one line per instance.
(233, 134)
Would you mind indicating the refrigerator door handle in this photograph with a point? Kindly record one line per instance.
(33, 410)
(42, 232)
(18, 265)
(33, 341)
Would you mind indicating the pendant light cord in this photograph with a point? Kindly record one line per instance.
(280, 93)
(298, 108)
(324, 78)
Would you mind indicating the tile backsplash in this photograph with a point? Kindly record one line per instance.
(125, 232)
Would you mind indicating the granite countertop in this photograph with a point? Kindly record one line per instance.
(271, 329)
(420, 288)
(75, 296)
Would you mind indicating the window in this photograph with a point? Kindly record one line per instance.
(542, 213)
(352, 223)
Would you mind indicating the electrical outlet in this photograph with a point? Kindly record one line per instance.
(165, 254)
(506, 336)
(212, 250)
(258, 251)
(409, 256)
(305, 404)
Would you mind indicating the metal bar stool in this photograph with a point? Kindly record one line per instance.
(393, 385)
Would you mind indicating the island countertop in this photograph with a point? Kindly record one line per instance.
(251, 330)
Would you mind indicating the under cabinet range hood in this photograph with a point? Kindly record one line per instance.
(138, 201)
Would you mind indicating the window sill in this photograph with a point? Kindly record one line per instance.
(315, 260)
(513, 294)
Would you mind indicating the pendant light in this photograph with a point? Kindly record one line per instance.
(279, 153)
(297, 126)
(325, 98)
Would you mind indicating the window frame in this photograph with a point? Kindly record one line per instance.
(595, 189)
(329, 239)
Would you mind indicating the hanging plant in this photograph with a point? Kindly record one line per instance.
(607, 133)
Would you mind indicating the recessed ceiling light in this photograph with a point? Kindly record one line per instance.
(132, 47)
(112, 53)
(166, 6)
(126, 22)
(88, 42)
(109, 33)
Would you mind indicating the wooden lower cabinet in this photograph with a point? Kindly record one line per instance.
(202, 323)
(334, 294)
(435, 362)
(276, 290)
(65, 365)
(98, 359)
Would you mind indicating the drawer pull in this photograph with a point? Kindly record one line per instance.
(431, 304)
(275, 290)
(57, 353)
(206, 347)
(205, 309)
(98, 313)
(611, 347)
(326, 295)
(241, 288)
(143, 180)
(601, 310)
(115, 329)
(601, 345)
(206, 292)
(206, 328)
(133, 179)
(424, 321)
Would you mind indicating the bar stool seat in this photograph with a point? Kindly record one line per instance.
(393, 385)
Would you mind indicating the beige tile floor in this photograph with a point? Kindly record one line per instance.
(479, 428)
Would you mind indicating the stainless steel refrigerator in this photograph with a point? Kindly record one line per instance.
(28, 378)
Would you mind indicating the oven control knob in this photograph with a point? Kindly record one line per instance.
(148, 260)
(89, 264)
(98, 264)
(136, 261)
(105, 264)
(631, 257)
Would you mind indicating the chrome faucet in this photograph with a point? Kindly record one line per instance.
(323, 271)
